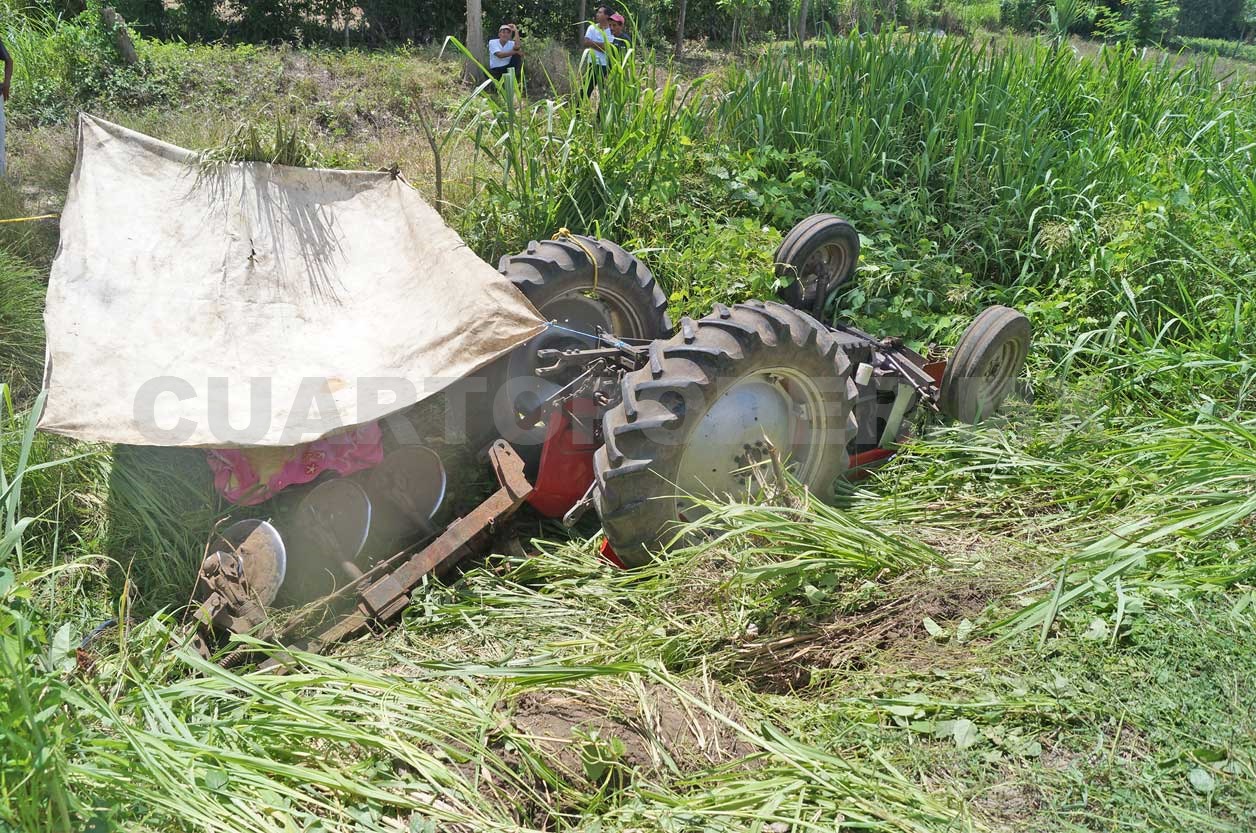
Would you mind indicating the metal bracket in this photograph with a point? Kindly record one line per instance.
(576, 512)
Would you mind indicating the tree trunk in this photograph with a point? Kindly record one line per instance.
(582, 23)
(802, 20)
(680, 27)
(475, 40)
(116, 27)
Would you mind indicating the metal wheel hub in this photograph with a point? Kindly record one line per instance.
(998, 373)
(262, 556)
(828, 262)
(776, 408)
(575, 312)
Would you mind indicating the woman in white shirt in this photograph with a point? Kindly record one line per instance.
(596, 40)
(504, 53)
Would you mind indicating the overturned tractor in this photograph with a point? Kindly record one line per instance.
(611, 409)
(586, 396)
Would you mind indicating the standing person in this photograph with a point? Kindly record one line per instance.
(504, 54)
(597, 38)
(4, 96)
(622, 41)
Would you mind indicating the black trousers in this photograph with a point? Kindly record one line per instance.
(516, 63)
(596, 72)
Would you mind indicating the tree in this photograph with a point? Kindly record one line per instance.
(802, 20)
(475, 40)
(680, 27)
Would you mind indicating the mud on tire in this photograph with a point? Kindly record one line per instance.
(697, 411)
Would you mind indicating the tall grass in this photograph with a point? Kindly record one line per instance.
(796, 549)
(21, 327)
(578, 161)
(995, 142)
(32, 786)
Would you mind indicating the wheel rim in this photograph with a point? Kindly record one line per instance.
(581, 316)
(264, 556)
(779, 404)
(998, 375)
(830, 262)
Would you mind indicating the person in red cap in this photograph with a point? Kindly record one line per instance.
(622, 41)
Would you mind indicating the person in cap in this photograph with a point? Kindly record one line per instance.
(622, 41)
(597, 38)
(504, 53)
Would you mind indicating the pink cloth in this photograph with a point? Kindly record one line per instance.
(248, 476)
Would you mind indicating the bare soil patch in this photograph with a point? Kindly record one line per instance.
(647, 732)
(1009, 806)
(574, 749)
(890, 631)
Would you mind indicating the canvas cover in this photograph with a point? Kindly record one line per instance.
(254, 305)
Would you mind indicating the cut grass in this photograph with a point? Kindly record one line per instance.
(1152, 734)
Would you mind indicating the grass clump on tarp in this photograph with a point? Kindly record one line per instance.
(289, 144)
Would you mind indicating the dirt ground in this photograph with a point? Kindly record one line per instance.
(889, 630)
(647, 732)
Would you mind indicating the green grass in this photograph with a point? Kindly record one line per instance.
(21, 326)
(1041, 624)
(1221, 48)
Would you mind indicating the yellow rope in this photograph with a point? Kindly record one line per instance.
(28, 219)
(564, 233)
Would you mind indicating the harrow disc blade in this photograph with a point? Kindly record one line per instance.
(262, 554)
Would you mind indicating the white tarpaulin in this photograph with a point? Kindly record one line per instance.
(254, 305)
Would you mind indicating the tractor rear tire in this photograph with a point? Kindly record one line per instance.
(822, 244)
(584, 285)
(708, 402)
(552, 272)
(985, 364)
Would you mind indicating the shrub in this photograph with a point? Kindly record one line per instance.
(61, 65)
(1022, 15)
(1143, 22)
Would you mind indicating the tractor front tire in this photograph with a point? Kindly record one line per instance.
(984, 366)
(713, 400)
(821, 246)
